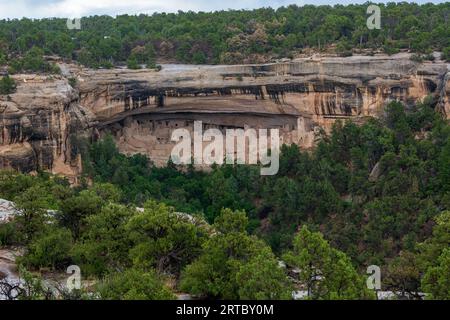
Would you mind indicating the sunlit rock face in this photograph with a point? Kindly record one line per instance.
(36, 123)
(142, 108)
(444, 94)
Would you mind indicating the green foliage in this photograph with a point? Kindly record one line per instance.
(374, 191)
(231, 221)
(104, 245)
(199, 57)
(73, 82)
(13, 183)
(344, 48)
(134, 284)
(390, 48)
(35, 288)
(230, 36)
(192, 192)
(7, 85)
(50, 250)
(133, 64)
(33, 61)
(436, 280)
(261, 278)
(107, 192)
(379, 169)
(396, 119)
(417, 58)
(164, 239)
(32, 205)
(403, 274)
(446, 54)
(74, 210)
(444, 168)
(432, 248)
(8, 234)
(3, 57)
(229, 267)
(222, 192)
(326, 273)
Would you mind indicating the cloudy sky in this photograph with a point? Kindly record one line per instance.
(77, 8)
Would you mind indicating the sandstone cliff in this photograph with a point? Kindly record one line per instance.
(36, 123)
(142, 107)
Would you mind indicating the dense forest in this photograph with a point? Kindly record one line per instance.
(378, 193)
(233, 36)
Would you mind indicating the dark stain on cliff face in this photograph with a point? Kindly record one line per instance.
(138, 94)
(277, 91)
(33, 140)
(25, 163)
(430, 85)
(324, 87)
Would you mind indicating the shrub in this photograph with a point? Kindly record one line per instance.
(133, 64)
(344, 48)
(446, 54)
(7, 85)
(416, 57)
(51, 250)
(429, 57)
(390, 49)
(111, 253)
(134, 284)
(73, 82)
(7, 234)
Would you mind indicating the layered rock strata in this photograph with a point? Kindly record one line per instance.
(141, 108)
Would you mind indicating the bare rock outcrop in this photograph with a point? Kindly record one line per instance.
(142, 107)
(7, 210)
(36, 123)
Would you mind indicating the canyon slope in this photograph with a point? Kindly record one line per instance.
(42, 123)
